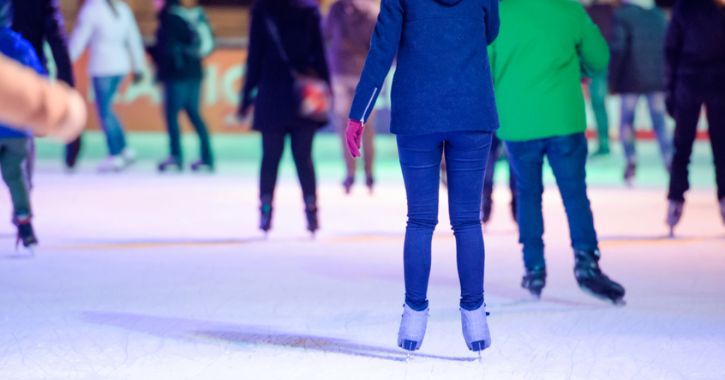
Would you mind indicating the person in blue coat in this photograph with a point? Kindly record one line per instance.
(442, 103)
(14, 143)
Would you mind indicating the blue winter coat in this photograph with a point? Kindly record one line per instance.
(442, 81)
(15, 47)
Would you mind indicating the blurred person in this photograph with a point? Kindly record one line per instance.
(285, 42)
(108, 29)
(695, 51)
(40, 21)
(537, 65)
(488, 182)
(348, 29)
(602, 13)
(442, 104)
(13, 142)
(184, 38)
(637, 70)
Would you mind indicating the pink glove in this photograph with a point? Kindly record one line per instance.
(353, 136)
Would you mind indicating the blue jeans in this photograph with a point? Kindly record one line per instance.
(656, 104)
(105, 89)
(567, 157)
(184, 95)
(420, 160)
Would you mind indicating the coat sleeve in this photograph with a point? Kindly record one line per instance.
(673, 50)
(56, 38)
(593, 49)
(619, 46)
(383, 49)
(255, 55)
(82, 33)
(135, 44)
(493, 23)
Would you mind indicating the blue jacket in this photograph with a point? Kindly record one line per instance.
(15, 47)
(442, 81)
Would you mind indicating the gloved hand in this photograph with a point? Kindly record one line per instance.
(353, 137)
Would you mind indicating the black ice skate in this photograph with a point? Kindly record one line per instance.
(593, 281)
(534, 281)
(26, 235)
(630, 171)
(171, 163)
(347, 184)
(370, 183)
(674, 214)
(265, 216)
(313, 223)
(201, 166)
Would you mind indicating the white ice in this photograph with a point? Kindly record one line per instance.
(147, 277)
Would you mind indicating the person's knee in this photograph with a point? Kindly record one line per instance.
(422, 222)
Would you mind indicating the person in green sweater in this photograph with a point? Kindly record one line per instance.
(544, 49)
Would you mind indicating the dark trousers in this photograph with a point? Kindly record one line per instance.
(567, 156)
(466, 154)
(273, 143)
(493, 156)
(689, 99)
(184, 95)
(13, 156)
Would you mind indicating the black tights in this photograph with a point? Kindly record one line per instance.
(272, 149)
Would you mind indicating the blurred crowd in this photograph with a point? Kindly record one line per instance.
(302, 71)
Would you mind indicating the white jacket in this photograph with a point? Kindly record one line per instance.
(114, 40)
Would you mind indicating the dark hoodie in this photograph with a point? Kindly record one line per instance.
(695, 46)
(442, 81)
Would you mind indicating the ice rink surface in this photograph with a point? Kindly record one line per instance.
(140, 276)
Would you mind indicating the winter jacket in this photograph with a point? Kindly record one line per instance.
(40, 21)
(638, 50)
(537, 65)
(348, 29)
(183, 39)
(13, 46)
(112, 36)
(269, 84)
(695, 47)
(29, 101)
(442, 81)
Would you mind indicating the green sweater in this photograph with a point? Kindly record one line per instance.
(538, 60)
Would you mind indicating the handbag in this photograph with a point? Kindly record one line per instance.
(313, 94)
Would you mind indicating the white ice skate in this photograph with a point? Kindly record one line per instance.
(412, 329)
(475, 329)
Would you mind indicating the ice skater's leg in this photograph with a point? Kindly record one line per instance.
(420, 160)
(466, 156)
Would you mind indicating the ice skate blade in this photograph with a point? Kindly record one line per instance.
(619, 302)
(478, 346)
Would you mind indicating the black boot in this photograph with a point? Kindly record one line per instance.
(534, 281)
(370, 183)
(674, 214)
(347, 184)
(313, 223)
(593, 281)
(26, 234)
(170, 163)
(202, 166)
(265, 214)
